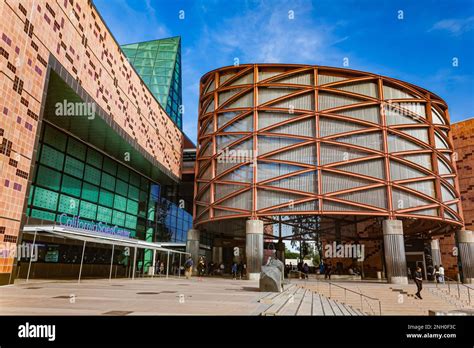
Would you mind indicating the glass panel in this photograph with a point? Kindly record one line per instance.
(400, 171)
(371, 140)
(305, 78)
(369, 113)
(54, 138)
(52, 157)
(71, 186)
(48, 178)
(76, 149)
(330, 100)
(333, 182)
(365, 88)
(68, 205)
(45, 199)
(323, 79)
(334, 126)
(88, 210)
(333, 154)
(426, 187)
(396, 93)
(90, 192)
(374, 168)
(375, 197)
(403, 200)
(397, 144)
(92, 175)
(74, 167)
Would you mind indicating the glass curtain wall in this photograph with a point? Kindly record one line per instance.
(75, 179)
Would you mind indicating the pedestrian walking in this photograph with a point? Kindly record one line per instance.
(436, 273)
(162, 268)
(418, 282)
(328, 271)
(234, 271)
(441, 274)
(188, 267)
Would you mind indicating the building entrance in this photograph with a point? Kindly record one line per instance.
(415, 259)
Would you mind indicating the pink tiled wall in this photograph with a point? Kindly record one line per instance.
(73, 32)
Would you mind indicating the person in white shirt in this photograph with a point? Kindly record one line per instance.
(441, 274)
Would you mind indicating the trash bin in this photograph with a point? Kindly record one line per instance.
(379, 275)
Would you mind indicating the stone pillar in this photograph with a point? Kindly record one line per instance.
(217, 254)
(466, 254)
(192, 246)
(394, 248)
(254, 248)
(435, 252)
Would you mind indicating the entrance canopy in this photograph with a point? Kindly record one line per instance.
(102, 238)
(93, 237)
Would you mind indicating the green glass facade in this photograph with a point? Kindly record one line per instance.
(73, 178)
(158, 63)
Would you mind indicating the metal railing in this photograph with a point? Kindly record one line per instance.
(447, 282)
(361, 295)
(302, 275)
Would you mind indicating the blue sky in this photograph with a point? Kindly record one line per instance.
(419, 48)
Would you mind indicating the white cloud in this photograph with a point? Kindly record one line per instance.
(259, 34)
(146, 25)
(266, 34)
(455, 26)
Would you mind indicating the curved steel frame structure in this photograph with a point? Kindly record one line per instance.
(278, 139)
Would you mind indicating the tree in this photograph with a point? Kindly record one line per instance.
(291, 254)
(306, 229)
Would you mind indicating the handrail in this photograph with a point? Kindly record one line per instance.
(296, 271)
(355, 292)
(458, 283)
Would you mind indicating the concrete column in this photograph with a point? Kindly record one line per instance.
(151, 271)
(192, 246)
(435, 252)
(394, 248)
(466, 254)
(254, 248)
(217, 254)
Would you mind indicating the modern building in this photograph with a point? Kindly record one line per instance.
(91, 147)
(97, 178)
(353, 157)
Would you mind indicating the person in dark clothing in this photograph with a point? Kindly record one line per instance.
(328, 271)
(306, 270)
(210, 267)
(188, 267)
(234, 271)
(418, 282)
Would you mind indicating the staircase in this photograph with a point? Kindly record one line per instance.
(394, 299)
(459, 296)
(298, 300)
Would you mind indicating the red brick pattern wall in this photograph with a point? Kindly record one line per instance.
(373, 258)
(447, 243)
(463, 138)
(73, 32)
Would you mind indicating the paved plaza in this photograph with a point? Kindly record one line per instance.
(173, 296)
(220, 296)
